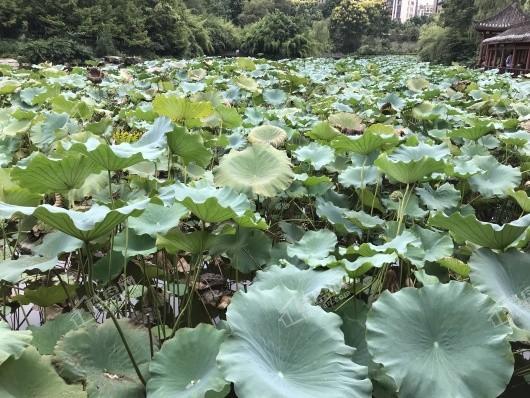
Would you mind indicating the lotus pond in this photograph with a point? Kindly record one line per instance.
(257, 229)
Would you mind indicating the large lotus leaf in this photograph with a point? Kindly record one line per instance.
(363, 264)
(211, 204)
(45, 337)
(151, 145)
(32, 376)
(335, 216)
(505, 278)
(429, 111)
(56, 243)
(247, 83)
(186, 365)
(257, 170)
(417, 84)
(281, 346)
(95, 355)
(45, 175)
(89, 225)
(411, 164)
(411, 205)
(472, 133)
(182, 109)
(46, 296)
(247, 249)
(157, 219)
(442, 198)
(189, 147)
(364, 220)
(318, 155)
(275, 97)
(434, 246)
(267, 134)
(12, 270)
(346, 121)
(105, 157)
(521, 198)
(496, 179)
(455, 265)
(374, 137)
(468, 228)
(308, 282)
(439, 341)
(130, 244)
(360, 176)
(12, 342)
(314, 248)
(194, 242)
(323, 131)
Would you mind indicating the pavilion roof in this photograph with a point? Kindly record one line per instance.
(510, 16)
(517, 34)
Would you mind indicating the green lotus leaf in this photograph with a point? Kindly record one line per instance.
(346, 121)
(373, 138)
(247, 83)
(7, 210)
(230, 117)
(186, 365)
(323, 131)
(398, 244)
(39, 379)
(468, 228)
(308, 282)
(335, 216)
(473, 133)
(12, 270)
(130, 244)
(182, 109)
(75, 107)
(157, 219)
(107, 372)
(12, 342)
(267, 134)
(45, 337)
(518, 138)
(442, 198)
(46, 296)
(8, 86)
(247, 249)
(107, 157)
(411, 164)
(314, 248)
(282, 346)
(429, 111)
(434, 246)
(275, 97)
(211, 204)
(505, 278)
(412, 205)
(455, 265)
(363, 264)
(56, 243)
(257, 170)
(360, 176)
(89, 225)
(45, 175)
(429, 339)
(496, 179)
(521, 198)
(364, 220)
(189, 147)
(318, 155)
(176, 241)
(417, 84)
(151, 145)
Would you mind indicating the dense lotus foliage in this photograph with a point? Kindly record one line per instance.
(248, 228)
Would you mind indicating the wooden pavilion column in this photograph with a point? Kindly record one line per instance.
(513, 57)
(502, 55)
(528, 59)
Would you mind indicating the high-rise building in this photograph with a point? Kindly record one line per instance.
(403, 10)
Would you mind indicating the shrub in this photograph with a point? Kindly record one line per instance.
(224, 36)
(278, 35)
(54, 49)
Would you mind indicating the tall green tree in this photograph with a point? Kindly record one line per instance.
(352, 19)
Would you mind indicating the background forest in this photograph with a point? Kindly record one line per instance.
(77, 30)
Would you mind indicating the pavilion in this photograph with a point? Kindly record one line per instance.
(506, 41)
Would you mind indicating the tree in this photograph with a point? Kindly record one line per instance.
(352, 19)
